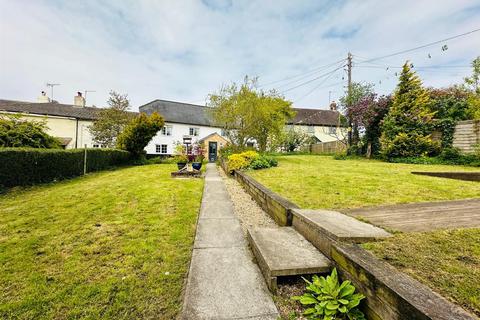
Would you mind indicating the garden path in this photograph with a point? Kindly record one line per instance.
(223, 281)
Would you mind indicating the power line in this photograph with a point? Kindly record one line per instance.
(422, 46)
(307, 73)
(314, 79)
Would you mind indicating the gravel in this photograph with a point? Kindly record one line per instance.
(246, 209)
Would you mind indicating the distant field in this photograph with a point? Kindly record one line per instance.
(323, 182)
(111, 245)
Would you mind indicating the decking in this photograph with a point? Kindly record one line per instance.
(424, 216)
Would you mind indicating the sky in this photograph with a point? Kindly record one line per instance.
(184, 50)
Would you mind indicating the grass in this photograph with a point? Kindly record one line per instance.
(447, 261)
(110, 245)
(323, 182)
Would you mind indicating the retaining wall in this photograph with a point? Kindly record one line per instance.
(390, 294)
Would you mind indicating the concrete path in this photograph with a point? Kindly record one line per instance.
(223, 282)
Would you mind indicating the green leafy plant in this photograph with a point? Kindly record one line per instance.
(328, 299)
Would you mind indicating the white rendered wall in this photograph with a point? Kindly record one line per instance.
(178, 132)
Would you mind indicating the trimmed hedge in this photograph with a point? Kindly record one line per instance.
(28, 166)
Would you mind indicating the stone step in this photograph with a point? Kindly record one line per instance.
(284, 252)
(321, 226)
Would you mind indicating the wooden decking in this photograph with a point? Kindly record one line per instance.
(424, 216)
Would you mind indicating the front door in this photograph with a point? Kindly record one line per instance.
(212, 151)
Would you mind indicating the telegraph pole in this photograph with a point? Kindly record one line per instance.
(349, 92)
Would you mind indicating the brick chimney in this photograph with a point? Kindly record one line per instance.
(333, 106)
(79, 100)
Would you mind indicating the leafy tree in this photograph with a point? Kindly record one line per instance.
(473, 84)
(17, 132)
(112, 120)
(407, 127)
(293, 139)
(246, 113)
(369, 113)
(138, 133)
(357, 92)
(474, 80)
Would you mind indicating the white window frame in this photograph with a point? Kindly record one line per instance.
(332, 130)
(311, 129)
(162, 147)
(167, 131)
(158, 148)
(194, 131)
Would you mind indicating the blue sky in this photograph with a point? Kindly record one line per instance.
(184, 50)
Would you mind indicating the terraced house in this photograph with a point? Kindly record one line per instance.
(70, 123)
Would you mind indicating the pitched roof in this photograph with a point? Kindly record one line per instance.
(315, 117)
(179, 112)
(50, 109)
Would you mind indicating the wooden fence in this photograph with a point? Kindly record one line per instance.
(467, 135)
(328, 147)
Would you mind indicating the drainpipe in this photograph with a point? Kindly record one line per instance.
(76, 133)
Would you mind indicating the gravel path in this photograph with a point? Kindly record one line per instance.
(246, 209)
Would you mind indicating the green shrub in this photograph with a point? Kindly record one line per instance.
(411, 145)
(328, 299)
(28, 166)
(263, 162)
(250, 160)
(450, 154)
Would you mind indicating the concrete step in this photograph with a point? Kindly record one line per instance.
(321, 226)
(284, 252)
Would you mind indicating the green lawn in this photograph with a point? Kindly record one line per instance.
(447, 261)
(323, 182)
(111, 245)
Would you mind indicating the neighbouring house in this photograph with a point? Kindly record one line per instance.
(69, 123)
(323, 125)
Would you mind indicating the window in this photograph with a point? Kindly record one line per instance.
(311, 129)
(194, 131)
(161, 148)
(332, 130)
(167, 131)
(223, 133)
(96, 146)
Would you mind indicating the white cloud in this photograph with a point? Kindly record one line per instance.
(182, 50)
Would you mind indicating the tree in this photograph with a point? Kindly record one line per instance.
(369, 113)
(357, 92)
(474, 80)
(407, 127)
(112, 120)
(473, 84)
(138, 133)
(246, 113)
(293, 139)
(17, 132)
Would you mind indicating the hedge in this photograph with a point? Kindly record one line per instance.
(28, 166)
